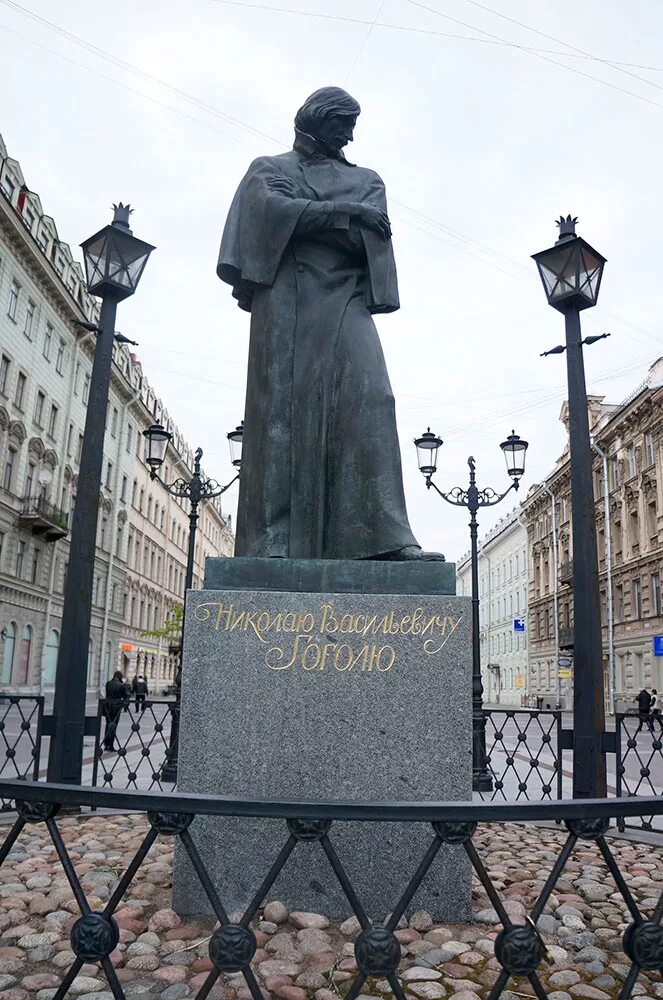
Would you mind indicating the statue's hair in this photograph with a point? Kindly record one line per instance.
(323, 102)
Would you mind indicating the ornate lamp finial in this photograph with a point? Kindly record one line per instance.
(121, 216)
(567, 227)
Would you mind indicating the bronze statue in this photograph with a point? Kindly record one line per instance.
(307, 249)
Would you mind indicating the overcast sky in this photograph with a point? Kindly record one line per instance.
(482, 143)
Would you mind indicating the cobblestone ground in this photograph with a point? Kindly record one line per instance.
(304, 955)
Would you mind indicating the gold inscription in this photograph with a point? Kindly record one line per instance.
(310, 653)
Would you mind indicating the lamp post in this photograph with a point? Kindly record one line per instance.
(571, 272)
(514, 449)
(114, 263)
(195, 490)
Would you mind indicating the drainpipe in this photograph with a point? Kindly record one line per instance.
(553, 507)
(608, 562)
(526, 609)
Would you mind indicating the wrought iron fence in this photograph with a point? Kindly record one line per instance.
(639, 764)
(519, 948)
(524, 754)
(139, 745)
(21, 718)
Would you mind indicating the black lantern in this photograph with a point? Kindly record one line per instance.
(114, 258)
(514, 449)
(427, 447)
(571, 270)
(235, 442)
(156, 442)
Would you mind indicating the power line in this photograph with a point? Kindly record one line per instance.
(438, 34)
(537, 55)
(365, 41)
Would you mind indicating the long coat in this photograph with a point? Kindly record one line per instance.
(321, 469)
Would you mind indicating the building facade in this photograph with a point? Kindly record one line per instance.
(503, 592)
(628, 495)
(45, 370)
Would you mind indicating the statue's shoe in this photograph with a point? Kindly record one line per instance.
(412, 553)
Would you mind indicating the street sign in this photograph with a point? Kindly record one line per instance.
(564, 661)
(658, 645)
(565, 674)
(519, 626)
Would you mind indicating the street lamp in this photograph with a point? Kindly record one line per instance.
(195, 490)
(514, 449)
(571, 273)
(114, 263)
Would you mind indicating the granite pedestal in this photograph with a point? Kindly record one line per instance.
(326, 680)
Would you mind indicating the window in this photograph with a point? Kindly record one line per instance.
(86, 387)
(109, 476)
(29, 317)
(614, 477)
(70, 439)
(48, 337)
(59, 361)
(34, 569)
(20, 556)
(114, 422)
(652, 519)
(30, 479)
(655, 594)
(636, 609)
(130, 437)
(14, 292)
(20, 390)
(8, 474)
(42, 239)
(28, 218)
(8, 186)
(79, 449)
(630, 461)
(617, 537)
(39, 407)
(649, 448)
(123, 493)
(4, 373)
(77, 377)
(619, 602)
(634, 533)
(53, 420)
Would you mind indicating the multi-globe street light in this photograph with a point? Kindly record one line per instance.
(114, 262)
(195, 490)
(571, 272)
(472, 498)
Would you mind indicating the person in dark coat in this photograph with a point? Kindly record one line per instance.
(644, 701)
(116, 698)
(141, 691)
(307, 250)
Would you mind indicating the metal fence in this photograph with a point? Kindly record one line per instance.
(519, 949)
(140, 745)
(639, 765)
(524, 754)
(21, 718)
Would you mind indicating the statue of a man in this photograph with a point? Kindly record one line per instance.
(307, 249)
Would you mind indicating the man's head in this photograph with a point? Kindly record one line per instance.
(117, 675)
(330, 115)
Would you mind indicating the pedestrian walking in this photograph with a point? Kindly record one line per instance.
(116, 697)
(141, 691)
(644, 700)
(655, 707)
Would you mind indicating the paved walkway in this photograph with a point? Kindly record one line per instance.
(304, 955)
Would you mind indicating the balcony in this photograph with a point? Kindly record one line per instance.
(566, 573)
(43, 518)
(566, 637)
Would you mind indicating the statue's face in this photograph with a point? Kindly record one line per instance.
(336, 131)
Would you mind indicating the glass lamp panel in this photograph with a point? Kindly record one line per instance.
(427, 447)
(590, 270)
(95, 260)
(559, 271)
(156, 442)
(514, 449)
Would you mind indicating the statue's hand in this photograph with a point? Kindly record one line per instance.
(374, 218)
(282, 185)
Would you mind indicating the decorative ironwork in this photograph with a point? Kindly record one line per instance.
(639, 765)
(455, 833)
(524, 753)
(21, 721)
(170, 824)
(141, 745)
(519, 950)
(314, 829)
(377, 952)
(232, 947)
(94, 936)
